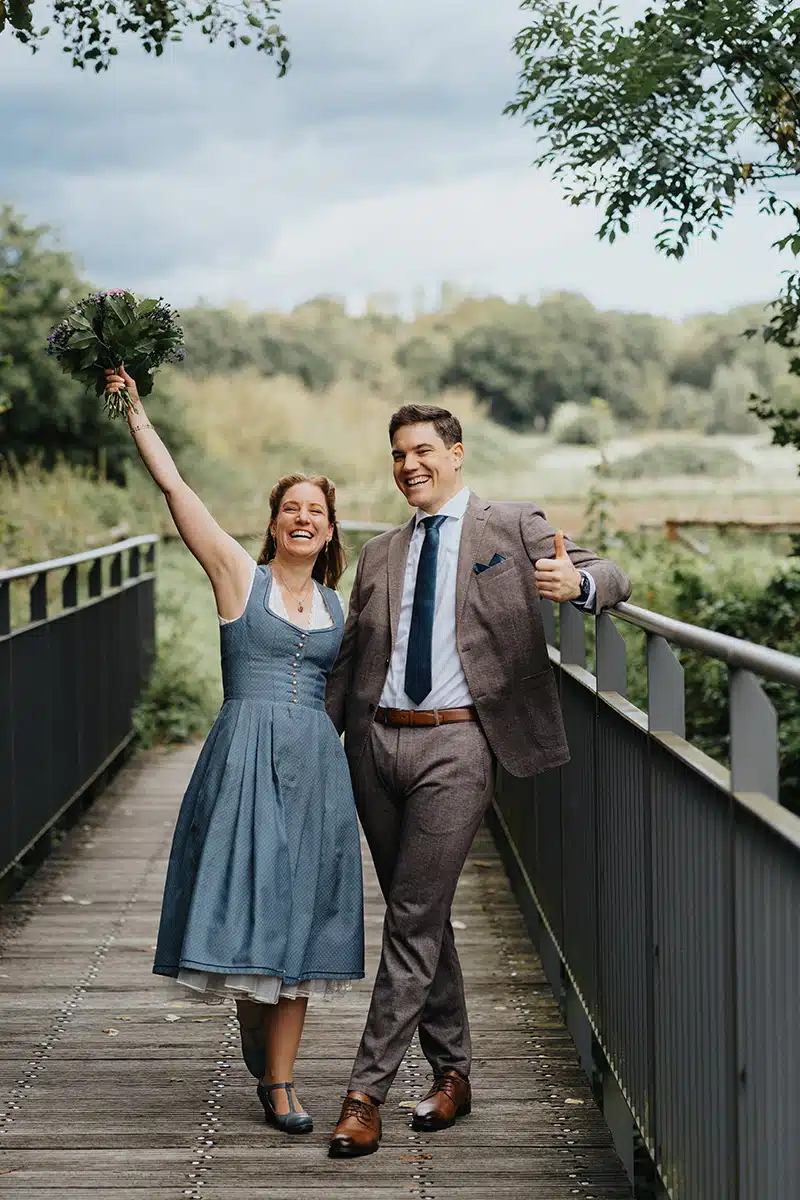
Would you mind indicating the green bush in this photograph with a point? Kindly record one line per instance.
(679, 458)
(731, 389)
(684, 407)
(767, 614)
(582, 424)
(184, 694)
(175, 707)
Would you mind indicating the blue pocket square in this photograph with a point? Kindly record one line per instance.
(496, 560)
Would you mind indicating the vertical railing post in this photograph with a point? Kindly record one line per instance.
(38, 598)
(754, 737)
(115, 575)
(69, 588)
(96, 578)
(5, 608)
(134, 567)
(666, 696)
(666, 705)
(755, 767)
(612, 665)
(572, 640)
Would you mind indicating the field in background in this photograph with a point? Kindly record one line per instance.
(255, 429)
(249, 430)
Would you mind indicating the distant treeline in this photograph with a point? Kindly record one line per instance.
(522, 361)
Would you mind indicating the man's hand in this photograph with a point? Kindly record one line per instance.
(556, 578)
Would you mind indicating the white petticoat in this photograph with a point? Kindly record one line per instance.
(264, 989)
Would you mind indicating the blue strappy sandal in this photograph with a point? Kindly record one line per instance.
(291, 1122)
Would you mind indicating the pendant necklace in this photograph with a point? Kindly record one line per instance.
(301, 601)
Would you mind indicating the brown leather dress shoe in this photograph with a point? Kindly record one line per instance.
(449, 1098)
(359, 1128)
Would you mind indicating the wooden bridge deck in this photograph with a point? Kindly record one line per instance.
(112, 1087)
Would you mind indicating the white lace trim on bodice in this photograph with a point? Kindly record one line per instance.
(320, 617)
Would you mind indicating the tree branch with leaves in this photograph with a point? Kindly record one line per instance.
(91, 30)
(684, 112)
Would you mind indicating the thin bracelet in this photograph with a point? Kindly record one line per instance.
(136, 428)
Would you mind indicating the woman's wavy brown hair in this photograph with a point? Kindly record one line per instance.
(331, 561)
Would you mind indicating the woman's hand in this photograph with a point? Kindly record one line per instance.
(119, 379)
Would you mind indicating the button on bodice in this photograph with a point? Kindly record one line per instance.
(268, 659)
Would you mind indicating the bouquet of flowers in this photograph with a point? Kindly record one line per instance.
(113, 327)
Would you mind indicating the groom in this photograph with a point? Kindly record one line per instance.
(443, 670)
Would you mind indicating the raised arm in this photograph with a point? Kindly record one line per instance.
(227, 564)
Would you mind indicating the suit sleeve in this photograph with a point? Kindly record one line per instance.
(611, 582)
(340, 678)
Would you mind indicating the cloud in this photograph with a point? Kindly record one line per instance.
(382, 162)
(501, 232)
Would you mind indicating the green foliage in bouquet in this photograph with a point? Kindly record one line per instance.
(109, 328)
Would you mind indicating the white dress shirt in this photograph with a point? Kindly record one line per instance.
(450, 688)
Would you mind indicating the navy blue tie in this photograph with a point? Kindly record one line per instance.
(420, 638)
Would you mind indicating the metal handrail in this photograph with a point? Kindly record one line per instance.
(71, 560)
(761, 660)
(749, 656)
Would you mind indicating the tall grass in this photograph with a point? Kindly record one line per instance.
(257, 429)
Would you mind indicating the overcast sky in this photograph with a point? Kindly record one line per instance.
(382, 163)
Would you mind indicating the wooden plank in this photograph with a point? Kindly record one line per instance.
(108, 1095)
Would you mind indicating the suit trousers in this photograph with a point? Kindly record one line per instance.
(421, 796)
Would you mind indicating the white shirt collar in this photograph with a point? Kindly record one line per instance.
(456, 507)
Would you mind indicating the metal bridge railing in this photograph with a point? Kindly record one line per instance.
(664, 893)
(663, 889)
(69, 681)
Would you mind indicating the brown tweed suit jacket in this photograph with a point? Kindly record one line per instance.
(499, 633)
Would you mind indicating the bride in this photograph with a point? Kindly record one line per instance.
(263, 895)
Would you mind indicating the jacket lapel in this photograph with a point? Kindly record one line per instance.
(475, 521)
(398, 555)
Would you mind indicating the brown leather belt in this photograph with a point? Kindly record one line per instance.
(403, 718)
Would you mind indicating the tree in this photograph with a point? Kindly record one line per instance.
(499, 363)
(731, 388)
(90, 30)
(526, 360)
(689, 109)
(220, 343)
(424, 360)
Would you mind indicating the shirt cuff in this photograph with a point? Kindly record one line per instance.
(587, 605)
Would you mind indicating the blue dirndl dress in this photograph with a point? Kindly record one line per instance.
(263, 895)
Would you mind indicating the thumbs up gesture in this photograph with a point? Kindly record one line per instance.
(556, 578)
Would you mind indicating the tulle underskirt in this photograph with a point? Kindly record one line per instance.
(213, 988)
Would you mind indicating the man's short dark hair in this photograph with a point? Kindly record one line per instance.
(446, 425)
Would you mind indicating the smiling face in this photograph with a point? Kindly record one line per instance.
(426, 470)
(302, 525)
